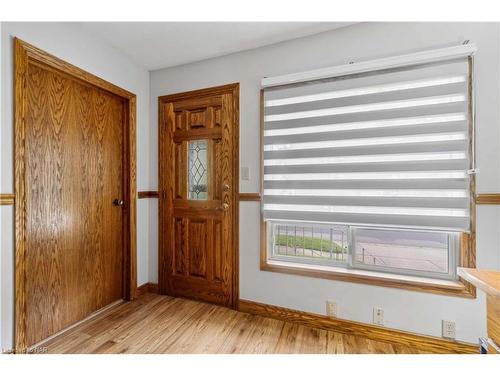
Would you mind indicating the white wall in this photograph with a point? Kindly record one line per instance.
(410, 311)
(72, 44)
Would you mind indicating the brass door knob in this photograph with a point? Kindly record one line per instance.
(226, 188)
(224, 207)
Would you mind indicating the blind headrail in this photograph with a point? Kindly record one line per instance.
(422, 57)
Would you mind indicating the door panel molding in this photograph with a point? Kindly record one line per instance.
(191, 124)
(26, 54)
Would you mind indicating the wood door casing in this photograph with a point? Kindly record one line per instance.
(74, 156)
(198, 238)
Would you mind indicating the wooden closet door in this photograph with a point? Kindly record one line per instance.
(74, 212)
(198, 189)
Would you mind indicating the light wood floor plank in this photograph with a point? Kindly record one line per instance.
(263, 336)
(235, 341)
(162, 324)
(296, 338)
(168, 324)
(110, 330)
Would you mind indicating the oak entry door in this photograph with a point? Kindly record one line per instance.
(198, 191)
(74, 195)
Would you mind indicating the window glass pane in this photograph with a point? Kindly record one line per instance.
(198, 169)
(411, 250)
(309, 241)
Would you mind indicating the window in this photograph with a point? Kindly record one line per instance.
(414, 252)
(407, 252)
(371, 171)
(197, 169)
(308, 242)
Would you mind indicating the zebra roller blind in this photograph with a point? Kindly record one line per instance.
(387, 148)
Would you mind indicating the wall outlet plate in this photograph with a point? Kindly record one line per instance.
(448, 329)
(331, 309)
(378, 316)
(245, 173)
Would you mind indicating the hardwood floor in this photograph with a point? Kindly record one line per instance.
(162, 324)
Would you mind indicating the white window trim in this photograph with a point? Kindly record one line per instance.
(350, 264)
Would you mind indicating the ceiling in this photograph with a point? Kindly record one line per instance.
(156, 45)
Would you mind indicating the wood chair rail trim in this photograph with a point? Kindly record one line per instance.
(147, 194)
(26, 54)
(488, 198)
(7, 199)
(245, 197)
(427, 343)
(250, 197)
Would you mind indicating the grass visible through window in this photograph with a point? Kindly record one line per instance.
(308, 243)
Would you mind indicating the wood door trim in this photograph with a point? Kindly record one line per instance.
(147, 194)
(147, 288)
(234, 89)
(488, 198)
(25, 54)
(39, 56)
(7, 199)
(349, 327)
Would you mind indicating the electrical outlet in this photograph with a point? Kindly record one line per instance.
(378, 316)
(449, 329)
(331, 309)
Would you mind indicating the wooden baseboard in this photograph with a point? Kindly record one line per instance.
(424, 343)
(147, 288)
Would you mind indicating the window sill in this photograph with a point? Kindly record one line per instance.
(420, 284)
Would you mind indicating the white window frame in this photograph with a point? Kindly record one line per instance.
(304, 260)
(350, 263)
(453, 255)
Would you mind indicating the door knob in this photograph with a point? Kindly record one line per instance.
(224, 207)
(118, 202)
(226, 188)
